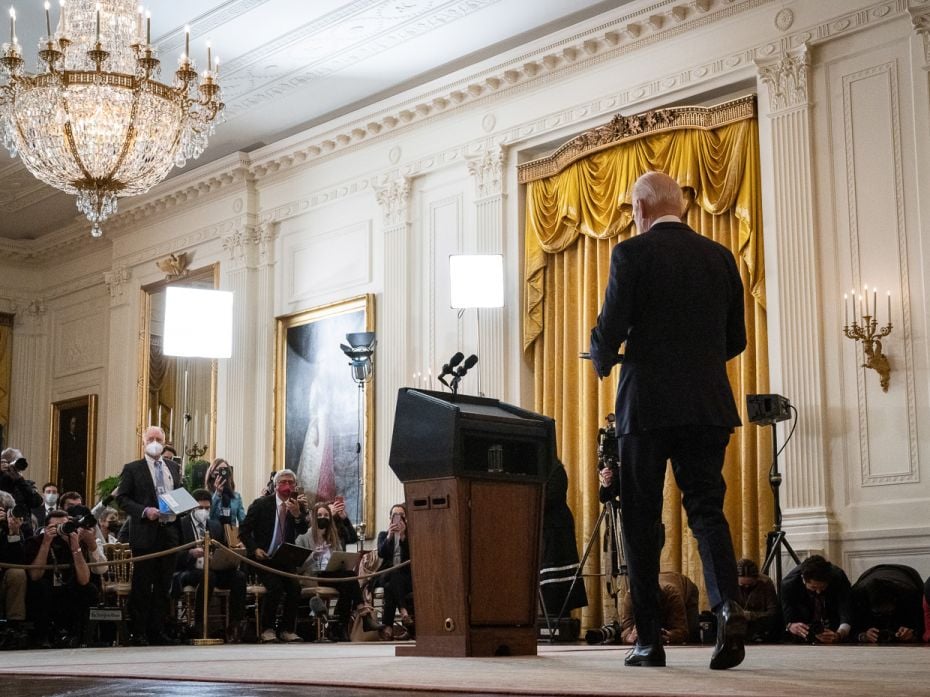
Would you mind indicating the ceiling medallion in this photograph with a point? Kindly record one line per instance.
(94, 121)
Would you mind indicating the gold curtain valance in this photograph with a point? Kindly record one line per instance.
(592, 197)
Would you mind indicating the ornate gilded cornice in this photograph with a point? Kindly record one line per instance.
(622, 129)
(787, 78)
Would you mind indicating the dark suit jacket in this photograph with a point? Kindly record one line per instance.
(136, 493)
(797, 602)
(217, 532)
(675, 299)
(257, 529)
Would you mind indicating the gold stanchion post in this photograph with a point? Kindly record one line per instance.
(205, 641)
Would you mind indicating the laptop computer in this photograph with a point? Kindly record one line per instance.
(289, 555)
(344, 561)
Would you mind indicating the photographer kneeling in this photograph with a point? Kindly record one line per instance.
(58, 598)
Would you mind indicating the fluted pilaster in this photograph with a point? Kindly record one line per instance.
(794, 317)
(392, 320)
(29, 398)
(487, 172)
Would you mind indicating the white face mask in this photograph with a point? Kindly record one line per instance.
(51, 499)
(154, 449)
(200, 515)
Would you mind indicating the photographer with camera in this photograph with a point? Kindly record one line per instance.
(815, 602)
(674, 301)
(226, 504)
(13, 535)
(59, 599)
(886, 605)
(394, 549)
(12, 466)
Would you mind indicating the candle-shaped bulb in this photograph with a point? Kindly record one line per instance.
(98, 22)
(209, 55)
(61, 16)
(889, 307)
(845, 309)
(216, 64)
(875, 303)
(148, 27)
(12, 25)
(187, 40)
(48, 19)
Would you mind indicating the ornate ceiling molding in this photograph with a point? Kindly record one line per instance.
(622, 129)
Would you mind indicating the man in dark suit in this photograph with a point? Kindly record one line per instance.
(675, 299)
(152, 528)
(270, 522)
(190, 566)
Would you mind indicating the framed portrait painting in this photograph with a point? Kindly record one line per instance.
(323, 418)
(73, 445)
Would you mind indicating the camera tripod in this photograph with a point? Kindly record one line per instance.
(610, 512)
(775, 539)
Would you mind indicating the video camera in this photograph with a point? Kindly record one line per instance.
(608, 450)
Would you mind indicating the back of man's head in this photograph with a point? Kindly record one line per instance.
(660, 194)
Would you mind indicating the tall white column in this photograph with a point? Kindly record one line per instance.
(487, 173)
(244, 431)
(391, 362)
(30, 389)
(794, 307)
(118, 410)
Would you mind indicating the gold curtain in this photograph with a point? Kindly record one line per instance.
(573, 219)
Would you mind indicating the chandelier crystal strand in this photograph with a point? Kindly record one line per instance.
(94, 121)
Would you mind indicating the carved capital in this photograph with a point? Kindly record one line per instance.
(488, 171)
(267, 234)
(116, 279)
(30, 313)
(920, 18)
(394, 199)
(787, 79)
(250, 245)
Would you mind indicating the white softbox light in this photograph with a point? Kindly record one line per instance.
(198, 322)
(476, 280)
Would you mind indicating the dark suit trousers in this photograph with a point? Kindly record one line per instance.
(151, 584)
(697, 461)
(276, 587)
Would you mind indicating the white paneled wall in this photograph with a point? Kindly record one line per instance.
(341, 211)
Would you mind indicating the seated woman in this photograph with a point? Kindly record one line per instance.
(226, 505)
(394, 549)
(323, 539)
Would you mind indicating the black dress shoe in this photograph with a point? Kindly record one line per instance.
(138, 640)
(731, 637)
(646, 655)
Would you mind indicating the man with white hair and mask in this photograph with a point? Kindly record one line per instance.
(270, 522)
(152, 528)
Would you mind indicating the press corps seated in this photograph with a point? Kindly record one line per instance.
(678, 602)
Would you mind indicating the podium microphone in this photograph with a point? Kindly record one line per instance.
(466, 366)
(449, 368)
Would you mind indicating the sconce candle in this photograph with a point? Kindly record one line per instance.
(845, 310)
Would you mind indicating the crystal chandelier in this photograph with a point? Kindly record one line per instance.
(94, 121)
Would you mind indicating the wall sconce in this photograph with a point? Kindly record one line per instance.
(868, 332)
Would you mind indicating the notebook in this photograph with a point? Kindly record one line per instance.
(343, 561)
(178, 501)
(224, 560)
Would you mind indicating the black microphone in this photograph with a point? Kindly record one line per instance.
(447, 369)
(466, 366)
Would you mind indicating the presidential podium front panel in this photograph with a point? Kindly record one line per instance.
(473, 471)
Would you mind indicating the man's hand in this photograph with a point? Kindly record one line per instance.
(870, 635)
(828, 636)
(88, 538)
(151, 513)
(75, 541)
(904, 634)
(798, 629)
(293, 507)
(664, 635)
(14, 524)
(634, 635)
(606, 476)
(261, 554)
(196, 552)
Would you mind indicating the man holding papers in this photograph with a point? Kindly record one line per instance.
(153, 527)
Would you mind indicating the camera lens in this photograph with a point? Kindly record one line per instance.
(21, 464)
(68, 527)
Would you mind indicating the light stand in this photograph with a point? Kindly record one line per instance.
(769, 410)
(476, 281)
(360, 352)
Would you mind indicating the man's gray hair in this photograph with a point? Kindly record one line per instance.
(10, 455)
(659, 191)
(6, 500)
(283, 473)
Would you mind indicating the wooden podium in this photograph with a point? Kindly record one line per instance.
(473, 471)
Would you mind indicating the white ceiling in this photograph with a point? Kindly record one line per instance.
(287, 65)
